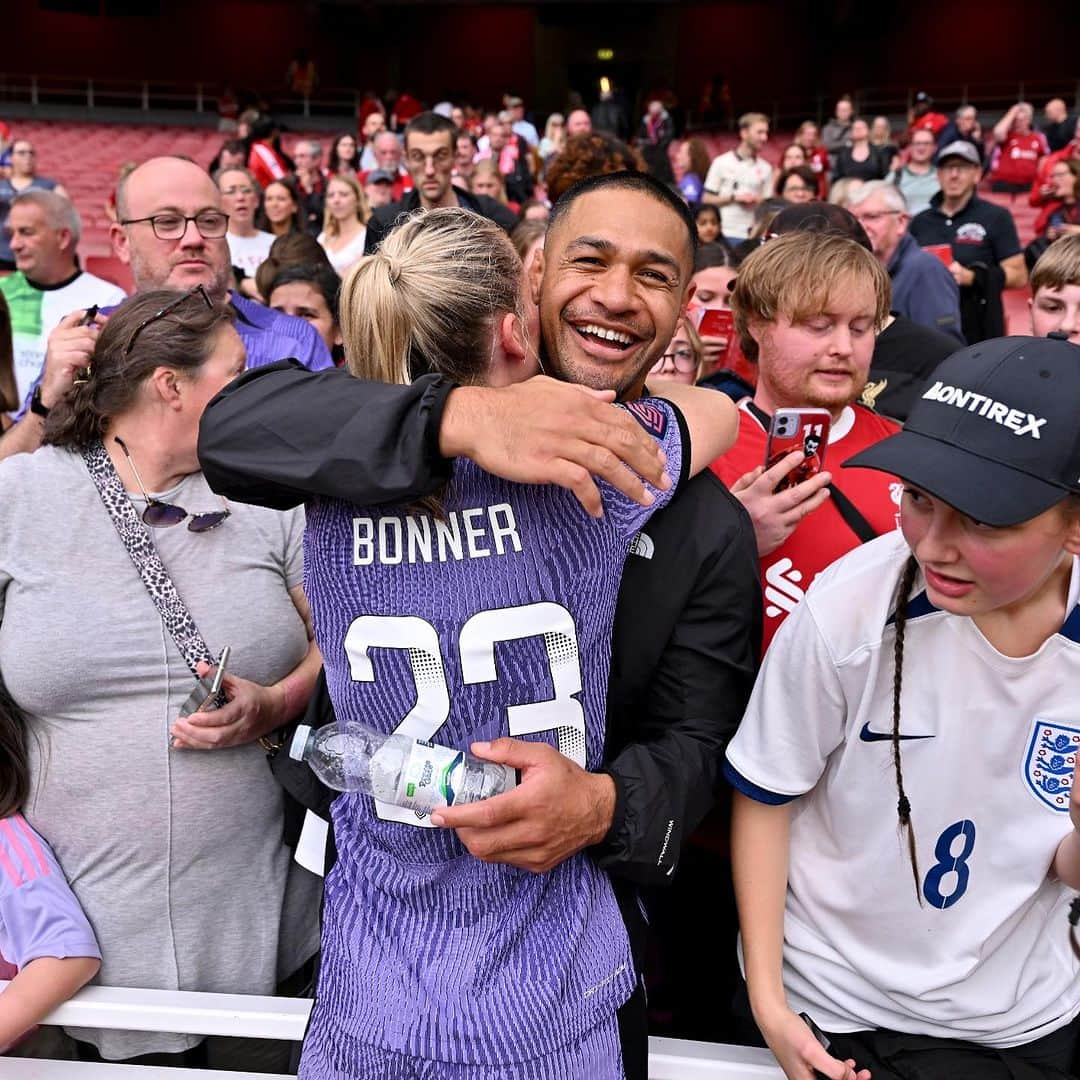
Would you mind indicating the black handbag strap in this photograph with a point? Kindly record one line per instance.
(139, 545)
(844, 506)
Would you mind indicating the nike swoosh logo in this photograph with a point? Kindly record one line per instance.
(884, 736)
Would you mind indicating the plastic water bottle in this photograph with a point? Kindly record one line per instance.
(397, 769)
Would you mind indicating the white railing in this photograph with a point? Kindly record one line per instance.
(286, 1018)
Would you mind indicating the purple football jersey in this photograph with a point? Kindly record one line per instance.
(491, 619)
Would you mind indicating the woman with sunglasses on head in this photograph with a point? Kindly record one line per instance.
(122, 576)
(903, 851)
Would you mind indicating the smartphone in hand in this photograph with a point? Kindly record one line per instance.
(717, 322)
(798, 429)
(207, 694)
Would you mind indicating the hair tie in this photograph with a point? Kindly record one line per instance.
(393, 268)
(82, 376)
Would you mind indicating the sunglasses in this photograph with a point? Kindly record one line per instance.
(163, 515)
(168, 309)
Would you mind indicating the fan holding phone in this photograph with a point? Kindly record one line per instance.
(807, 307)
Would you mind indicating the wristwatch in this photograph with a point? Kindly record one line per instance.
(36, 404)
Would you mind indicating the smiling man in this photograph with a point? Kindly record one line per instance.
(808, 307)
(430, 141)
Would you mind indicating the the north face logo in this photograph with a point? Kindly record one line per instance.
(782, 588)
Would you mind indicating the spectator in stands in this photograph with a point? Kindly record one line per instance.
(1060, 216)
(232, 155)
(840, 190)
(964, 127)
(739, 179)
(1018, 149)
(22, 177)
(859, 158)
(1055, 290)
(923, 117)
(554, 136)
(808, 306)
(373, 125)
(489, 182)
(655, 134)
(293, 249)
(817, 157)
(922, 289)
(691, 166)
(708, 224)
(1056, 125)
(962, 623)
(47, 284)
(518, 124)
(1042, 189)
(792, 156)
(429, 153)
(725, 367)
(797, 185)
(309, 291)
(578, 122)
(311, 181)
(917, 178)
(834, 136)
(379, 188)
(388, 156)
(266, 160)
(464, 160)
(509, 153)
(281, 213)
(208, 824)
(986, 251)
(682, 362)
(248, 246)
(344, 155)
(609, 116)
(881, 137)
(589, 155)
(344, 223)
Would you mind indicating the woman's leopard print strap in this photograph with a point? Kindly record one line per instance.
(137, 539)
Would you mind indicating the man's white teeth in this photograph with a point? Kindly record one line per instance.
(608, 335)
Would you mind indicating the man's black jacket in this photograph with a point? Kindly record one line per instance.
(688, 619)
(382, 221)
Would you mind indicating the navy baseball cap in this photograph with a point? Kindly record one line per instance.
(380, 176)
(995, 432)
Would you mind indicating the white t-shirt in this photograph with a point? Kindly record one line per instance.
(35, 311)
(249, 252)
(988, 752)
(345, 257)
(730, 174)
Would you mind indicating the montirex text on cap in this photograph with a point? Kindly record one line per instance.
(995, 432)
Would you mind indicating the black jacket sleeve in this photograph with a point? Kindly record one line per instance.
(687, 639)
(280, 434)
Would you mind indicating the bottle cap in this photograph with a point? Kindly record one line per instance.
(299, 742)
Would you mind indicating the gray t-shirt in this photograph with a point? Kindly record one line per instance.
(175, 855)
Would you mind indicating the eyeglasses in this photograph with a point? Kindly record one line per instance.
(210, 223)
(682, 360)
(247, 190)
(875, 215)
(795, 187)
(440, 157)
(168, 309)
(162, 515)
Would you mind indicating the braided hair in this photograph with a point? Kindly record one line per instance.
(903, 804)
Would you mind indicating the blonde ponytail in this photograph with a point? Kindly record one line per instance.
(429, 298)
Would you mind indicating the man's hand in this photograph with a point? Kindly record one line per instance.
(68, 350)
(547, 432)
(556, 810)
(777, 514)
(961, 274)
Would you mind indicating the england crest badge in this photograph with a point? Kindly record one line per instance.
(1051, 761)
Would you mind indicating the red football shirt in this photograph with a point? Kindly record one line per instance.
(823, 536)
(1018, 159)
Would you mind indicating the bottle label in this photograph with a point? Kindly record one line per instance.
(429, 778)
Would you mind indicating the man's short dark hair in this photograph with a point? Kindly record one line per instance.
(321, 276)
(235, 146)
(717, 253)
(431, 123)
(629, 181)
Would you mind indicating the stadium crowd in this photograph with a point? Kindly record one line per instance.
(673, 480)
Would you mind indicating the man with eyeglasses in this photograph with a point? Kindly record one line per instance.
(429, 156)
(386, 149)
(987, 257)
(172, 232)
(23, 177)
(922, 289)
(917, 180)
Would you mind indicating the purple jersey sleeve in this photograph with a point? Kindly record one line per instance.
(666, 425)
(39, 915)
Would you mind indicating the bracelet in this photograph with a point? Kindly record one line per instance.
(273, 744)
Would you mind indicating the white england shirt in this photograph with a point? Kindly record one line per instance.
(989, 744)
